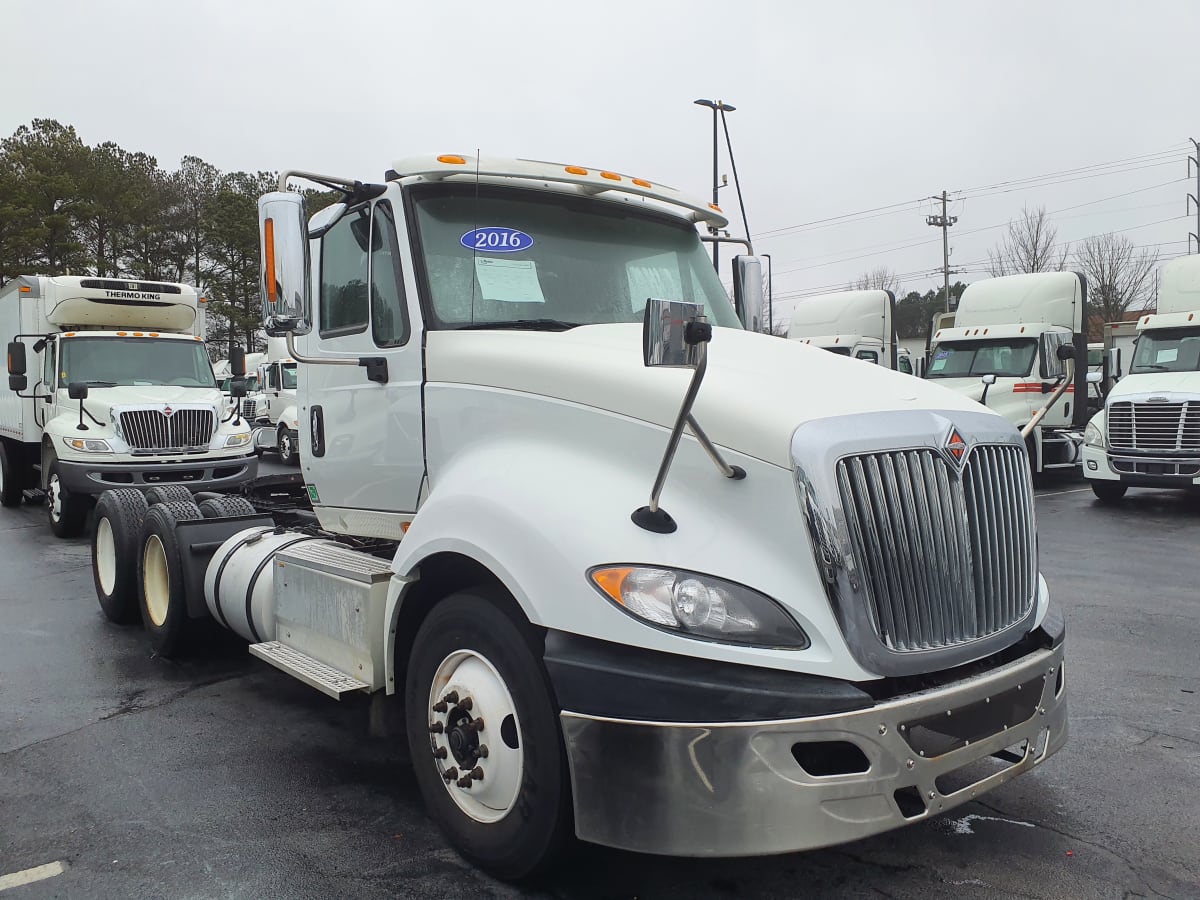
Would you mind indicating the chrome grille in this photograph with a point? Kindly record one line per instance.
(249, 407)
(1154, 426)
(149, 429)
(944, 558)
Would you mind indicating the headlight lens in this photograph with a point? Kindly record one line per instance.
(699, 606)
(1092, 435)
(238, 440)
(88, 445)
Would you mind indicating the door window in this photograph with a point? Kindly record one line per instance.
(344, 275)
(868, 355)
(389, 318)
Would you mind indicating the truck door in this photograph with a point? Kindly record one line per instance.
(361, 440)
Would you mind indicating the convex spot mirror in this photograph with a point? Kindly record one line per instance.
(1065, 352)
(989, 378)
(1095, 377)
(664, 334)
(77, 390)
(284, 274)
(237, 386)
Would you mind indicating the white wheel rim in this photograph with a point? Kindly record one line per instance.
(54, 490)
(285, 444)
(467, 676)
(156, 582)
(106, 556)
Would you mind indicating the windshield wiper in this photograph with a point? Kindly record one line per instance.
(101, 383)
(1151, 366)
(521, 324)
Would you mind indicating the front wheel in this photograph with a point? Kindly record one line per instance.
(484, 737)
(1109, 491)
(11, 481)
(67, 512)
(289, 453)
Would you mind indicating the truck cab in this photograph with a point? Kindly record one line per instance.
(276, 412)
(1148, 434)
(1003, 351)
(858, 324)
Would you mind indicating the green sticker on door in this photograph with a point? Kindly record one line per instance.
(313, 496)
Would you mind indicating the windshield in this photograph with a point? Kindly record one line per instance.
(512, 258)
(1167, 350)
(1012, 358)
(111, 361)
(289, 376)
(840, 351)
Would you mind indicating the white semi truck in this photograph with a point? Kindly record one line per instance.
(122, 394)
(629, 583)
(1148, 433)
(1003, 350)
(859, 324)
(276, 412)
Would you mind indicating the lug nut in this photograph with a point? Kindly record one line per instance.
(439, 753)
(476, 724)
(477, 773)
(435, 728)
(464, 782)
(451, 773)
(481, 751)
(451, 697)
(465, 704)
(440, 706)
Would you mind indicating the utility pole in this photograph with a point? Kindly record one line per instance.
(717, 106)
(1194, 198)
(944, 222)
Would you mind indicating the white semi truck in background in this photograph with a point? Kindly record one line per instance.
(1002, 350)
(122, 394)
(859, 324)
(1148, 433)
(631, 584)
(276, 413)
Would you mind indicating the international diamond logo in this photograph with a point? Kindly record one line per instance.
(955, 447)
(167, 412)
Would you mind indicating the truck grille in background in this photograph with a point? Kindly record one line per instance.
(248, 409)
(944, 558)
(1154, 426)
(149, 429)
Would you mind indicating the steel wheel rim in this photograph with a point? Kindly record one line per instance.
(485, 781)
(106, 556)
(156, 580)
(285, 444)
(54, 490)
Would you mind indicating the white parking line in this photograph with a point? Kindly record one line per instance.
(1056, 493)
(28, 876)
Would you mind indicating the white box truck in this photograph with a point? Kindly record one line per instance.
(110, 386)
(859, 324)
(1148, 433)
(1003, 350)
(630, 580)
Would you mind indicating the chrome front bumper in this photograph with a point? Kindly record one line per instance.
(738, 789)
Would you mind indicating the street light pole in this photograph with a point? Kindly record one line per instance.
(716, 106)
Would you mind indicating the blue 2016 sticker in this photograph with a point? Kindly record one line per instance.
(496, 239)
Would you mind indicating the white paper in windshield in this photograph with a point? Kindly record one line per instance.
(509, 280)
(1169, 354)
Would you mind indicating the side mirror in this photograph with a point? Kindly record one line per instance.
(1065, 352)
(284, 281)
(748, 291)
(237, 386)
(17, 383)
(237, 361)
(1095, 377)
(16, 358)
(671, 336)
(77, 390)
(989, 378)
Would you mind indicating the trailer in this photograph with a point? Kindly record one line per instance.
(123, 395)
(629, 582)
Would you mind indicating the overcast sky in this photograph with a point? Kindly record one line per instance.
(841, 107)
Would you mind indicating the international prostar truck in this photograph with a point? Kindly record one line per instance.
(859, 324)
(122, 394)
(631, 570)
(276, 411)
(1148, 434)
(1002, 350)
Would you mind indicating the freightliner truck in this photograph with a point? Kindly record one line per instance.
(860, 324)
(1002, 350)
(1148, 434)
(110, 386)
(635, 575)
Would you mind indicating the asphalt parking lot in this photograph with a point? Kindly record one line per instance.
(221, 777)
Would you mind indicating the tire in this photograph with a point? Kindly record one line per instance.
(524, 820)
(12, 482)
(162, 595)
(116, 538)
(286, 441)
(223, 507)
(66, 512)
(1108, 491)
(165, 493)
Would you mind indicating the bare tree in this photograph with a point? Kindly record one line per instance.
(1029, 246)
(881, 278)
(1120, 277)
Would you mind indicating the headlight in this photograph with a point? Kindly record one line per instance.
(699, 606)
(1092, 435)
(238, 440)
(88, 445)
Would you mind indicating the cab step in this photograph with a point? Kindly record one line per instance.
(312, 672)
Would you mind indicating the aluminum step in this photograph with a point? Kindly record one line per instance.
(312, 672)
